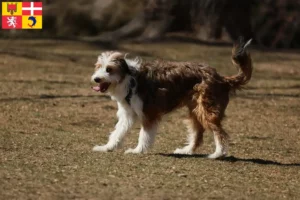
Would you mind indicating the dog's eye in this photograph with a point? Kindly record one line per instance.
(108, 69)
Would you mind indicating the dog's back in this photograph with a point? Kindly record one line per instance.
(166, 85)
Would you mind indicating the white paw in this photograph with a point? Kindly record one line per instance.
(135, 151)
(184, 151)
(216, 155)
(102, 148)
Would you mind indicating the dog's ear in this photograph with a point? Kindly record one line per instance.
(123, 65)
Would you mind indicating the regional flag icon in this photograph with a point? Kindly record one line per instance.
(32, 15)
(12, 22)
(22, 15)
(32, 22)
(11, 15)
(32, 8)
(11, 8)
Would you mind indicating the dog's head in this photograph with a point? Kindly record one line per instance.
(111, 68)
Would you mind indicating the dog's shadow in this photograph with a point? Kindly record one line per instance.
(233, 159)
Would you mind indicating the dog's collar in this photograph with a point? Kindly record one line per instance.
(132, 84)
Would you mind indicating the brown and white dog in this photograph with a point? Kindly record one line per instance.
(148, 90)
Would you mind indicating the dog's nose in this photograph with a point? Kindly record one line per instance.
(97, 79)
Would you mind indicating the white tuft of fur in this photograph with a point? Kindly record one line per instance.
(133, 62)
(106, 58)
(137, 104)
(120, 91)
(191, 141)
(220, 150)
(146, 139)
(247, 43)
(126, 120)
(184, 151)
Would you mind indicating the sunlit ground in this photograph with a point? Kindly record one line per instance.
(50, 119)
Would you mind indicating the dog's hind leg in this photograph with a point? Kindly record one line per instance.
(210, 110)
(221, 142)
(195, 137)
(146, 138)
(212, 118)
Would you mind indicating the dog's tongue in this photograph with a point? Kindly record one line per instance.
(102, 87)
(96, 88)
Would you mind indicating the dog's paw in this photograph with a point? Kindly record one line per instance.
(103, 148)
(134, 151)
(216, 155)
(183, 151)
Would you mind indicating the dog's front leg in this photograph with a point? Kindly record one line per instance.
(146, 138)
(126, 120)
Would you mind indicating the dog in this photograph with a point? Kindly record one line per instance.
(148, 90)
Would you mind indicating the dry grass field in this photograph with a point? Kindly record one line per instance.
(50, 119)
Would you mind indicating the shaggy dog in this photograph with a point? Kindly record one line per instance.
(148, 90)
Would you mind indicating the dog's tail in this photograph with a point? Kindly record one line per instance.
(242, 59)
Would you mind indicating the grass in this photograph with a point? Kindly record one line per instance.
(50, 119)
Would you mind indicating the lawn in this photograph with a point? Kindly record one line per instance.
(50, 119)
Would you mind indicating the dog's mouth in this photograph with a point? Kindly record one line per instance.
(102, 87)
